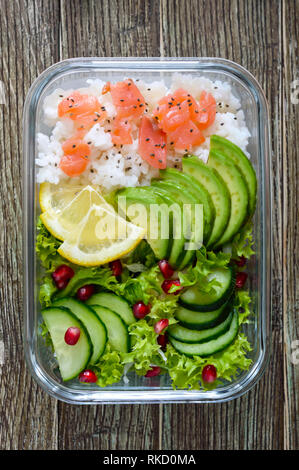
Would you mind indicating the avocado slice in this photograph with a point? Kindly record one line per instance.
(197, 190)
(237, 188)
(232, 151)
(136, 204)
(177, 240)
(217, 189)
(181, 219)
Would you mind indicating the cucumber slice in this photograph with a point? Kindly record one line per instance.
(95, 327)
(237, 188)
(217, 189)
(210, 347)
(200, 320)
(195, 299)
(186, 335)
(71, 359)
(232, 151)
(115, 303)
(198, 191)
(118, 335)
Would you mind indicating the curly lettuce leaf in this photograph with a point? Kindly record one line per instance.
(206, 263)
(243, 301)
(186, 372)
(242, 243)
(109, 369)
(144, 347)
(46, 248)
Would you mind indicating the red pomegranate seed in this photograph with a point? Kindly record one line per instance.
(140, 310)
(166, 286)
(165, 268)
(155, 370)
(116, 267)
(62, 275)
(241, 279)
(209, 373)
(72, 335)
(241, 261)
(87, 376)
(85, 292)
(161, 325)
(162, 340)
(61, 284)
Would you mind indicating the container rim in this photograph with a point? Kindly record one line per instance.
(74, 396)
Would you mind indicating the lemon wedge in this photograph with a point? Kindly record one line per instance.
(66, 207)
(102, 236)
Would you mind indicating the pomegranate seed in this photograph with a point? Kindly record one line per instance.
(140, 310)
(166, 286)
(116, 267)
(161, 325)
(155, 370)
(209, 373)
(72, 335)
(241, 261)
(241, 279)
(87, 376)
(62, 275)
(61, 284)
(85, 292)
(162, 340)
(165, 268)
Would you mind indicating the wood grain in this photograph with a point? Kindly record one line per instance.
(245, 35)
(263, 37)
(28, 37)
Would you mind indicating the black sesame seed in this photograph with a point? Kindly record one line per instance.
(191, 130)
(222, 124)
(61, 96)
(74, 146)
(147, 140)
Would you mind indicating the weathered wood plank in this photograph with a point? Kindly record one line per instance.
(28, 42)
(248, 33)
(109, 28)
(290, 235)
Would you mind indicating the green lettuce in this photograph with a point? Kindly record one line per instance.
(186, 372)
(109, 368)
(242, 243)
(144, 347)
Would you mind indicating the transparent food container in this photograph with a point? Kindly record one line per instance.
(73, 73)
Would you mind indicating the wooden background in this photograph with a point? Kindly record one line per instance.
(262, 35)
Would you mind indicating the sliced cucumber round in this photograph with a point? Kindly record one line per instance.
(186, 335)
(201, 301)
(210, 347)
(95, 327)
(118, 335)
(115, 303)
(201, 320)
(71, 359)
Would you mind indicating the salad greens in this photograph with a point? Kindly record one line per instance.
(145, 285)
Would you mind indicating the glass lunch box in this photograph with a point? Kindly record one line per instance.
(72, 73)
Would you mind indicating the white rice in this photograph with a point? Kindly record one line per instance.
(113, 167)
